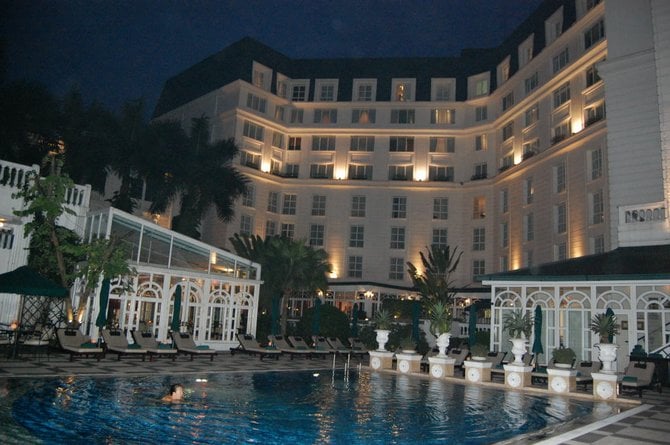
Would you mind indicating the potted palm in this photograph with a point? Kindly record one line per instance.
(408, 345)
(519, 326)
(479, 351)
(382, 321)
(440, 325)
(563, 357)
(606, 326)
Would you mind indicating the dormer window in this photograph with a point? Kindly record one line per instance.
(403, 90)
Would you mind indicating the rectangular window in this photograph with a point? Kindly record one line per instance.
(532, 115)
(246, 224)
(442, 116)
(364, 93)
(560, 60)
(504, 201)
(561, 218)
(323, 143)
(478, 239)
(288, 230)
(316, 232)
(355, 266)
(363, 116)
(400, 172)
(443, 144)
(480, 142)
(481, 113)
(359, 171)
(299, 93)
(280, 113)
(480, 171)
(561, 131)
(597, 208)
(321, 171)
(478, 269)
(507, 162)
(596, 163)
(440, 238)
(504, 263)
(358, 206)
(273, 202)
(528, 258)
(357, 236)
(296, 116)
(399, 207)
(256, 103)
(504, 234)
(362, 143)
(277, 140)
(401, 143)
(594, 34)
(403, 91)
(397, 238)
(318, 205)
(325, 116)
(253, 131)
(592, 76)
(482, 87)
(441, 173)
(529, 227)
(249, 196)
(528, 191)
(595, 114)
(598, 244)
(402, 116)
(508, 131)
(270, 228)
(292, 170)
(252, 160)
(532, 82)
(530, 148)
(508, 101)
(289, 204)
(396, 268)
(478, 207)
(560, 252)
(294, 143)
(562, 94)
(442, 92)
(440, 208)
(327, 93)
(559, 178)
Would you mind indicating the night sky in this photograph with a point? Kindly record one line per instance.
(114, 51)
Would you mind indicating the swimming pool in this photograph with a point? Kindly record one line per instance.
(276, 407)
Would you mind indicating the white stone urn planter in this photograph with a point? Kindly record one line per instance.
(518, 349)
(607, 356)
(442, 344)
(382, 338)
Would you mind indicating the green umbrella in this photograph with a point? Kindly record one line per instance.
(610, 313)
(176, 314)
(101, 321)
(354, 322)
(537, 332)
(316, 317)
(26, 281)
(472, 325)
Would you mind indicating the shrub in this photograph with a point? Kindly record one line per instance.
(332, 323)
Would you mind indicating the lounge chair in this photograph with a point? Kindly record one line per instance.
(459, 355)
(300, 343)
(496, 358)
(155, 348)
(282, 344)
(584, 371)
(528, 360)
(38, 341)
(321, 344)
(357, 345)
(639, 375)
(249, 345)
(78, 344)
(338, 346)
(115, 341)
(185, 345)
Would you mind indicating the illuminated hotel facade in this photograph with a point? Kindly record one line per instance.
(539, 150)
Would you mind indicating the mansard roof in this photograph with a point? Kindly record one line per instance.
(235, 62)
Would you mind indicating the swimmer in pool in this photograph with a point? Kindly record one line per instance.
(176, 393)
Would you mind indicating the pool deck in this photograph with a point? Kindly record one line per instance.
(647, 423)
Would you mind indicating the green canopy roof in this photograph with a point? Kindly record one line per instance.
(26, 281)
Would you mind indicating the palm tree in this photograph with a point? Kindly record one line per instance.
(435, 282)
(289, 266)
(203, 177)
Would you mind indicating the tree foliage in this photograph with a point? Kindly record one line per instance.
(435, 282)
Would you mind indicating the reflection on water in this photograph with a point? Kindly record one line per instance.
(276, 407)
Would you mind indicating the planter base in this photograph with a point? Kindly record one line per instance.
(561, 381)
(517, 376)
(441, 366)
(408, 362)
(477, 371)
(381, 360)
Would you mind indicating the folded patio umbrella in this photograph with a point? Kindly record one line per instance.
(176, 314)
(101, 321)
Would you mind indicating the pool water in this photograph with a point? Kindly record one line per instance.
(278, 408)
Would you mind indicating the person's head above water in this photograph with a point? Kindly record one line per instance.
(176, 393)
